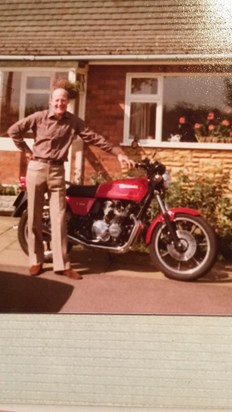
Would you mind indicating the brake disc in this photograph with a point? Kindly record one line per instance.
(188, 243)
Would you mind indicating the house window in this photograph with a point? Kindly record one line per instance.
(143, 102)
(197, 108)
(37, 92)
(23, 93)
(9, 100)
(180, 109)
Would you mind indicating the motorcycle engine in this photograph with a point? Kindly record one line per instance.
(113, 223)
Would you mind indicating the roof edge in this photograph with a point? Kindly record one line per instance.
(128, 57)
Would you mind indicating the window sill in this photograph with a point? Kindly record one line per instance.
(184, 145)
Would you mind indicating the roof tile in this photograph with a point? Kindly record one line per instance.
(41, 27)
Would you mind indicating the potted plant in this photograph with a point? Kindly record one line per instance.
(73, 88)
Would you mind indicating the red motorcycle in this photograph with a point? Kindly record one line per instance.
(113, 216)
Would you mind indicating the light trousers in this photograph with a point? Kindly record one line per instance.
(42, 178)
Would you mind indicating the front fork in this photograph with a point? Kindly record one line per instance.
(169, 222)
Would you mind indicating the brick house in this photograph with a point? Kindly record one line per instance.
(145, 69)
(183, 48)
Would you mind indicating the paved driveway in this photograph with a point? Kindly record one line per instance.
(125, 284)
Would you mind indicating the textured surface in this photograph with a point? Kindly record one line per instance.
(180, 362)
(112, 360)
(119, 27)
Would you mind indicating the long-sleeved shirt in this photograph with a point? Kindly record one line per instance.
(53, 137)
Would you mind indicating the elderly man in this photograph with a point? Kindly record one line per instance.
(54, 130)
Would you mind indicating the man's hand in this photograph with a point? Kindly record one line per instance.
(29, 156)
(124, 160)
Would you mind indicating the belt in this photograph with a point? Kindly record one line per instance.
(49, 161)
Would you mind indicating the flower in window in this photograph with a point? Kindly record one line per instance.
(182, 120)
(211, 116)
(224, 128)
(213, 128)
(200, 130)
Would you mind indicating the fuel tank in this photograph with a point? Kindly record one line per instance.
(134, 189)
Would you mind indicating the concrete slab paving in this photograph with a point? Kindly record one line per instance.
(111, 284)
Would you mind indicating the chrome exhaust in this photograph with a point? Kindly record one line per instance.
(117, 250)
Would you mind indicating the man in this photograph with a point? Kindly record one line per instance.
(54, 130)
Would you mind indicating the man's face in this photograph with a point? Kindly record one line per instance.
(59, 102)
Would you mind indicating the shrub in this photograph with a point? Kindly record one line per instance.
(207, 194)
(8, 190)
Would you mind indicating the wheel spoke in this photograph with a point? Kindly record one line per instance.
(197, 252)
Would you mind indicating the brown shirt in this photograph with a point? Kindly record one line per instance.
(53, 137)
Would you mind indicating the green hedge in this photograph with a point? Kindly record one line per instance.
(207, 193)
(9, 190)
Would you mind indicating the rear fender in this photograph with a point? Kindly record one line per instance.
(20, 204)
(172, 214)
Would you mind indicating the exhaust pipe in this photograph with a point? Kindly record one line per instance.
(117, 250)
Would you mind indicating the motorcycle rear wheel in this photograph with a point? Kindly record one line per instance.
(199, 248)
(23, 239)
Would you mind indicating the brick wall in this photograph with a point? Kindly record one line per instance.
(105, 100)
(105, 115)
(13, 165)
(97, 162)
(194, 162)
(198, 162)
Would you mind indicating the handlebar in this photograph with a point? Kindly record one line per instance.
(151, 167)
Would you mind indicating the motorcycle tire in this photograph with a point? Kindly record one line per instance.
(199, 248)
(22, 238)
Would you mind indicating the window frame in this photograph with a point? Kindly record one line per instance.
(24, 90)
(143, 98)
(40, 72)
(157, 142)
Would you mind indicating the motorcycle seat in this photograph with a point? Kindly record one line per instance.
(81, 191)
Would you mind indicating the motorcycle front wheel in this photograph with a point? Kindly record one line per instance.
(198, 248)
(23, 237)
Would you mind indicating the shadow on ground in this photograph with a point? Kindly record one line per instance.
(94, 262)
(24, 294)
(100, 261)
(220, 273)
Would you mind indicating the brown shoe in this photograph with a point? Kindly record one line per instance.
(35, 270)
(69, 273)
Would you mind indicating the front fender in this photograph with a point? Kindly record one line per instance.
(172, 213)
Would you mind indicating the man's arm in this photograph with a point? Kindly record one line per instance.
(17, 131)
(95, 139)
